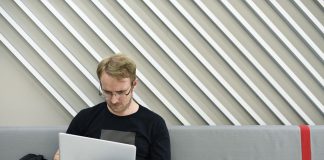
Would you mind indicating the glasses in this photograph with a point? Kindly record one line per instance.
(118, 94)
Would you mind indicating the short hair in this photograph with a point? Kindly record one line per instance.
(118, 66)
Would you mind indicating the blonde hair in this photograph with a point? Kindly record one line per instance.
(118, 66)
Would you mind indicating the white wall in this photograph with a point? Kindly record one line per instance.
(252, 75)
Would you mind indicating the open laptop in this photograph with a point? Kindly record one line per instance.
(74, 147)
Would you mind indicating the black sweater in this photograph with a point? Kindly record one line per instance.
(152, 139)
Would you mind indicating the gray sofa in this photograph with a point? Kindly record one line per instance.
(187, 142)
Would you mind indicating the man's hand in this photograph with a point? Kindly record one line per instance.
(57, 155)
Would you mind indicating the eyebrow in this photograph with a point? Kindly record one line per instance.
(114, 91)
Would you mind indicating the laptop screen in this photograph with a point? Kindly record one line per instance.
(73, 147)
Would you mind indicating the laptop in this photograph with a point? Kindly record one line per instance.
(73, 147)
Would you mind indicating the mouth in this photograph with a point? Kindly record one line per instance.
(114, 106)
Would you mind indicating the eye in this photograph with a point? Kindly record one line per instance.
(120, 92)
(107, 92)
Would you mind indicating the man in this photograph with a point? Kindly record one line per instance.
(120, 115)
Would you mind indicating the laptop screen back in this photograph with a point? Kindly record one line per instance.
(73, 147)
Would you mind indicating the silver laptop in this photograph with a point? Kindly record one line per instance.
(74, 147)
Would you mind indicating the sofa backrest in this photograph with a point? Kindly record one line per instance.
(243, 143)
(187, 142)
(236, 143)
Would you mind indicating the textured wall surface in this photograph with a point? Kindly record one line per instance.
(200, 62)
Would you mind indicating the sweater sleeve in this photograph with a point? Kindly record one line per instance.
(75, 125)
(160, 148)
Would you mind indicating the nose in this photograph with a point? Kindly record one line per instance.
(114, 98)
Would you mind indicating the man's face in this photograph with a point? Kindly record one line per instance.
(117, 92)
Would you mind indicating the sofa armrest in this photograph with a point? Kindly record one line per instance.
(15, 142)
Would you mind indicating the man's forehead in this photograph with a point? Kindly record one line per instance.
(116, 78)
(115, 83)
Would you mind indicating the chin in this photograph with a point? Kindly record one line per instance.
(117, 109)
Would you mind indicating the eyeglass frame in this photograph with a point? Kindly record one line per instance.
(111, 94)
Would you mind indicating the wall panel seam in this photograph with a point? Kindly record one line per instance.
(38, 76)
(310, 43)
(152, 61)
(256, 36)
(110, 44)
(47, 59)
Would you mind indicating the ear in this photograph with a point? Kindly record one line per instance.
(135, 82)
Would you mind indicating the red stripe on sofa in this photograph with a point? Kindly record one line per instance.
(305, 142)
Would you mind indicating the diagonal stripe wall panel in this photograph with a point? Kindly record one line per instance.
(199, 62)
